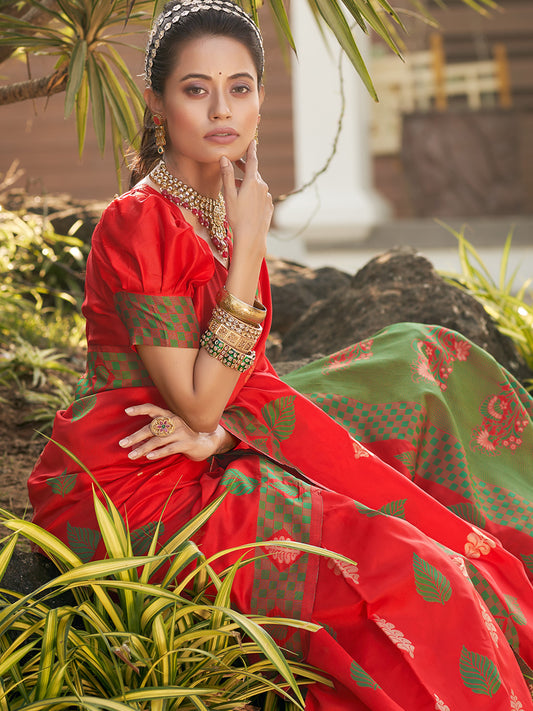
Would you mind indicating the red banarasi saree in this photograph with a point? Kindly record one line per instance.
(410, 453)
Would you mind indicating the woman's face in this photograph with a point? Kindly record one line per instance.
(211, 101)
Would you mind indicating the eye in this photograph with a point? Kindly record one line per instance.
(241, 89)
(194, 90)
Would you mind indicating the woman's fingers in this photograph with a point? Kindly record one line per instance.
(154, 448)
(136, 437)
(228, 179)
(248, 205)
(251, 165)
(247, 165)
(160, 452)
(149, 444)
(147, 409)
(182, 440)
(249, 162)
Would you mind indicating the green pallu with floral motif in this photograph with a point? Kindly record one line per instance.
(444, 413)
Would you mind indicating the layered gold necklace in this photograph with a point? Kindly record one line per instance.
(211, 212)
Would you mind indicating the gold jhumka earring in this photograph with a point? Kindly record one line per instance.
(160, 137)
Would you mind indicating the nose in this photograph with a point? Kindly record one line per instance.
(220, 107)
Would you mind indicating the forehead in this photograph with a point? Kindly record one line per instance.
(214, 55)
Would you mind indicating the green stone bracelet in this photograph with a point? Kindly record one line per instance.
(227, 355)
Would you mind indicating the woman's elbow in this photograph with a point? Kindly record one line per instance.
(202, 414)
(202, 423)
(199, 420)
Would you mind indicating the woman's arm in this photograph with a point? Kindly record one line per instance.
(195, 385)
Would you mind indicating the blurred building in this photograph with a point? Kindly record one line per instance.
(453, 135)
(422, 156)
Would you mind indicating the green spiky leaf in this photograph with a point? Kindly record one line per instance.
(83, 541)
(82, 407)
(515, 609)
(76, 71)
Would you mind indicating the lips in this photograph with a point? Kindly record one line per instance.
(222, 135)
(222, 131)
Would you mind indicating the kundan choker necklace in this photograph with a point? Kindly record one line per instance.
(211, 212)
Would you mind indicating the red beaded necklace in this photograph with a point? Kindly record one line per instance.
(211, 212)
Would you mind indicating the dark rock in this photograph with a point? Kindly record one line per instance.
(295, 288)
(399, 285)
(27, 571)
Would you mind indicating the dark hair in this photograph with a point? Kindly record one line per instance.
(191, 26)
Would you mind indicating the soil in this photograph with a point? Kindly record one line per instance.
(19, 448)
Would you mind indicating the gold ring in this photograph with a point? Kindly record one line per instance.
(162, 426)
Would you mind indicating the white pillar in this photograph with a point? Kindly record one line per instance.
(341, 207)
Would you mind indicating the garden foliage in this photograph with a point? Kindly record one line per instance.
(41, 292)
(127, 643)
(510, 306)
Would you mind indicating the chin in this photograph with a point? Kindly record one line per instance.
(235, 152)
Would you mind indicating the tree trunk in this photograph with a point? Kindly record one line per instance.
(34, 88)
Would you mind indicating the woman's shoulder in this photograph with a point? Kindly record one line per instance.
(140, 204)
(146, 245)
(141, 216)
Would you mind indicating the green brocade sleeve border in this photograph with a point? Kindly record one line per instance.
(159, 320)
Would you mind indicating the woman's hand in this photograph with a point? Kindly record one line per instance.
(249, 205)
(197, 446)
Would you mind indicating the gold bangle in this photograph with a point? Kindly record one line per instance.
(239, 341)
(240, 309)
(246, 329)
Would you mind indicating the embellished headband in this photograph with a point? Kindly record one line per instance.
(181, 10)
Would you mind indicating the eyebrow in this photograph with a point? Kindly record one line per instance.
(208, 78)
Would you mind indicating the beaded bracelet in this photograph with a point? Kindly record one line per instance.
(233, 331)
(240, 309)
(245, 329)
(240, 342)
(227, 355)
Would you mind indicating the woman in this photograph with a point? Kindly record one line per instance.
(177, 319)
